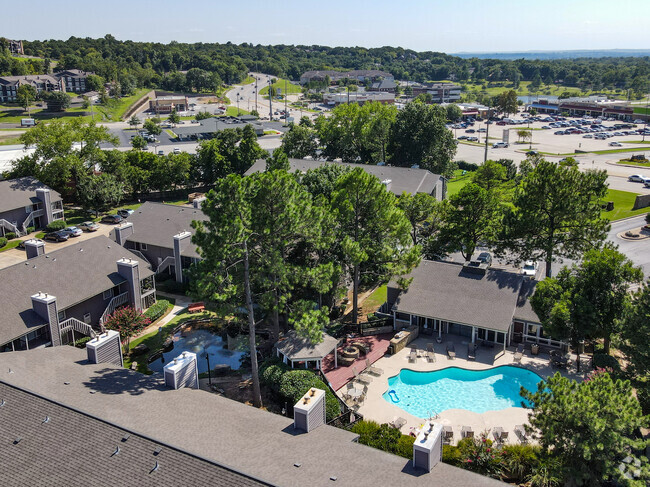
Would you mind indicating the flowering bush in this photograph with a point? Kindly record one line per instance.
(128, 322)
(478, 455)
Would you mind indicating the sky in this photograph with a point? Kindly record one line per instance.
(449, 26)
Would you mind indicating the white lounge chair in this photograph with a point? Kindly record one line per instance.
(372, 369)
(467, 432)
(397, 423)
(363, 378)
(520, 431)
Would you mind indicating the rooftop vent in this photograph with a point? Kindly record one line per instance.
(309, 411)
(183, 371)
(427, 448)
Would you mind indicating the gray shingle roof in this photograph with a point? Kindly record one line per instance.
(21, 192)
(157, 223)
(295, 347)
(72, 448)
(402, 178)
(72, 274)
(444, 291)
(218, 429)
(524, 310)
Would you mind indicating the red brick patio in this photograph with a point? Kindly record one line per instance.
(343, 374)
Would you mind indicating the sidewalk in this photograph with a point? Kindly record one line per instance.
(179, 307)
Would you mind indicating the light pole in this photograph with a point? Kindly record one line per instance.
(207, 357)
(270, 101)
(487, 133)
(237, 104)
(645, 125)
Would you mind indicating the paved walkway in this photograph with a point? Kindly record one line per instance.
(375, 407)
(180, 306)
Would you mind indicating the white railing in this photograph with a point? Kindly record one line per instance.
(169, 260)
(30, 219)
(9, 226)
(77, 325)
(118, 300)
(141, 255)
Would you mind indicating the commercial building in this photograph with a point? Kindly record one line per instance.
(440, 92)
(359, 97)
(383, 85)
(26, 202)
(208, 127)
(53, 298)
(166, 104)
(398, 180)
(594, 106)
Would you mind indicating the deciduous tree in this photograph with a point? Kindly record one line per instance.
(25, 95)
(128, 322)
(300, 142)
(99, 193)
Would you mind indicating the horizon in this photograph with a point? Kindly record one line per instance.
(438, 27)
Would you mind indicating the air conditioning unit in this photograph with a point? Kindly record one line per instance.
(183, 371)
(105, 348)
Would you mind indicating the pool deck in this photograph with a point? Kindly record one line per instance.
(376, 408)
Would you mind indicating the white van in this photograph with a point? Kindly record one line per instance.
(27, 122)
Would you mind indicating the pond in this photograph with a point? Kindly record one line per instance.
(200, 341)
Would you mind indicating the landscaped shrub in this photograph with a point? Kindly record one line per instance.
(643, 395)
(520, 461)
(271, 372)
(31, 229)
(10, 235)
(451, 455)
(384, 437)
(603, 361)
(478, 455)
(56, 225)
(466, 166)
(81, 343)
(3, 242)
(157, 310)
(295, 383)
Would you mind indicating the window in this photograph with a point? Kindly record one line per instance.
(143, 246)
(28, 209)
(61, 315)
(87, 318)
(108, 294)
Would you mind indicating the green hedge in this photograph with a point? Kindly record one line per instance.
(81, 343)
(602, 360)
(3, 242)
(31, 229)
(292, 384)
(10, 235)
(466, 166)
(56, 225)
(157, 309)
(384, 437)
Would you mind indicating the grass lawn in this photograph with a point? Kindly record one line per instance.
(291, 89)
(75, 216)
(619, 149)
(12, 244)
(9, 140)
(14, 116)
(623, 203)
(459, 180)
(498, 87)
(376, 299)
(637, 141)
(233, 112)
(627, 162)
(248, 80)
(155, 339)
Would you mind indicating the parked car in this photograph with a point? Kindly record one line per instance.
(59, 236)
(125, 212)
(485, 258)
(72, 231)
(637, 178)
(89, 226)
(529, 268)
(472, 139)
(112, 219)
(498, 145)
(21, 245)
(532, 153)
(616, 144)
(176, 150)
(161, 152)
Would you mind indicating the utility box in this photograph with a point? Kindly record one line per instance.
(309, 411)
(427, 448)
(105, 348)
(183, 371)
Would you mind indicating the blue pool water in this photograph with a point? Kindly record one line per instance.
(424, 393)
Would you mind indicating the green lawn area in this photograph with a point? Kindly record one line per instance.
(291, 89)
(248, 80)
(642, 110)
(9, 140)
(12, 244)
(623, 203)
(155, 339)
(634, 163)
(75, 216)
(116, 108)
(495, 88)
(233, 112)
(638, 141)
(376, 299)
(14, 116)
(457, 182)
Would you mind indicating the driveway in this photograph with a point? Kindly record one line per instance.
(15, 256)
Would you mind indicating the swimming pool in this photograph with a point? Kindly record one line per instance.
(423, 394)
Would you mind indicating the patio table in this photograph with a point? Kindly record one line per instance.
(355, 393)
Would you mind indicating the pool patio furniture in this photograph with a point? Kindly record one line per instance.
(499, 434)
(431, 356)
(413, 357)
(471, 351)
(372, 369)
(355, 394)
(397, 423)
(363, 377)
(447, 434)
(558, 359)
(451, 350)
(467, 432)
(520, 431)
(196, 307)
(519, 353)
